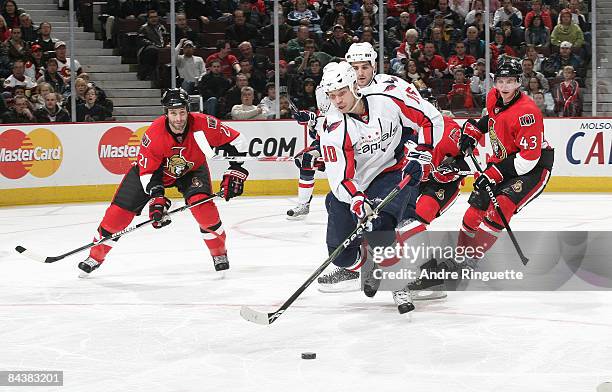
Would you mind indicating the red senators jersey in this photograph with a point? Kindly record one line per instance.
(517, 127)
(164, 156)
(449, 143)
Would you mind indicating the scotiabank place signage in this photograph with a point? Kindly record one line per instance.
(38, 152)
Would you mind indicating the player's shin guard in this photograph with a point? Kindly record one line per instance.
(115, 219)
(472, 219)
(207, 217)
(492, 224)
(306, 186)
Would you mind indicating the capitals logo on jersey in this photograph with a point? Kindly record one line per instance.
(177, 165)
(332, 127)
(498, 148)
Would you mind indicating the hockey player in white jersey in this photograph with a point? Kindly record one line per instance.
(363, 145)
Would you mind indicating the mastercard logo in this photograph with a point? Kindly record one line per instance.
(118, 148)
(39, 153)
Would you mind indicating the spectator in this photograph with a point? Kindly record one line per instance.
(342, 21)
(434, 62)
(513, 36)
(507, 12)
(537, 10)
(415, 74)
(368, 36)
(189, 66)
(52, 76)
(461, 7)
(285, 110)
(395, 9)
(183, 30)
(246, 110)
(295, 46)
(410, 44)
(213, 85)
(529, 73)
(5, 32)
(34, 66)
(310, 54)
(285, 33)
(477, 8)
(451, 18)
(449, 33)
(460, 95)
(478, 83)
(260, 62)
(329, 19)
(240, 30)
(51, 111)
(118, 9)
(268, 102)
(28, 32)
(152, 39)
(229, 62)
(473, 44)
(314, 71)
(307, 100)
(537, 34)
(257, 80)
(11, 13)
(460, 58)
(103, 100)
(577, 17)
(38, 95)
(567, 31)
(204, 11)
(553, 65)
(46, 42)
(234, 94)
(302, 16)
(397, 33)
(367, 8)
(535, 86)
(337, 45)
(540, 100)
(289, 85)
(20, 113)
(16, 47)
(532, 53)
(440, 42)
(18, 78)
(252, 13)
(63, 62)
(90, 110)
(80, 87)
(500, 44)
(567, 95)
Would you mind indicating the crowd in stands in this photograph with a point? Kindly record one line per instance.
(35, 74)
(225, 49)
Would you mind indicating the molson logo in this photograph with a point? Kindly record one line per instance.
(118, 148)
(39, 153)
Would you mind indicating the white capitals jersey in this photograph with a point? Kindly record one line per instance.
(356, 149)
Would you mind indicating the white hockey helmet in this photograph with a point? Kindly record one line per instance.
(362, 51)
(323, 102)
(339, 75)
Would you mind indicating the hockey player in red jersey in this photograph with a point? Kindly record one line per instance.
(521, 163)
(170, 155)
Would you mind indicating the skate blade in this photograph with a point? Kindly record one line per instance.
(296, 218)
(339, 287)
(428, 295)
(84, 275)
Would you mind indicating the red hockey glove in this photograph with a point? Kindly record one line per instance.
(489, 177)
(310, 159)
(360, 206)
(233, 180)
(158, 211)
(470, 135)
(451, 168)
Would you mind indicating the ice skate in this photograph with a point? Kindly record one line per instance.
(299, 212)
(403, 300)
(221, 262)
(339, 280)
(87, 267)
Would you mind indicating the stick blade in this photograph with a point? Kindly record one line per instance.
(30, 255)
(254, 316)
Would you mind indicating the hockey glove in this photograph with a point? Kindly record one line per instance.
(310, 159)
(470, 135)
(491, 176)
(451, 168)
(304, 117)
(158, 211)
(232, 183)
(361, 206)
(418, 164)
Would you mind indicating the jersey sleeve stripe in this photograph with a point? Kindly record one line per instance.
(419, 118)
(349, 168)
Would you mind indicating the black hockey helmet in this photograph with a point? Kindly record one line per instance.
(175, 98)
(508, 66)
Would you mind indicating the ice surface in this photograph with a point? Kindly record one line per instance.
(157, 317)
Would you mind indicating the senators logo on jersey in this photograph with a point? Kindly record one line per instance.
(176, 165)
(498, 147)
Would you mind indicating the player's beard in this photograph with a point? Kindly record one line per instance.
(177, 127)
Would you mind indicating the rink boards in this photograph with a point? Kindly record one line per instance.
(60, 163)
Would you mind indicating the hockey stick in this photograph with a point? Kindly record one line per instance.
(262, 318)
(524, 259)
(52, 259)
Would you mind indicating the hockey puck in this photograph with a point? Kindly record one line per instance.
(309, 355)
